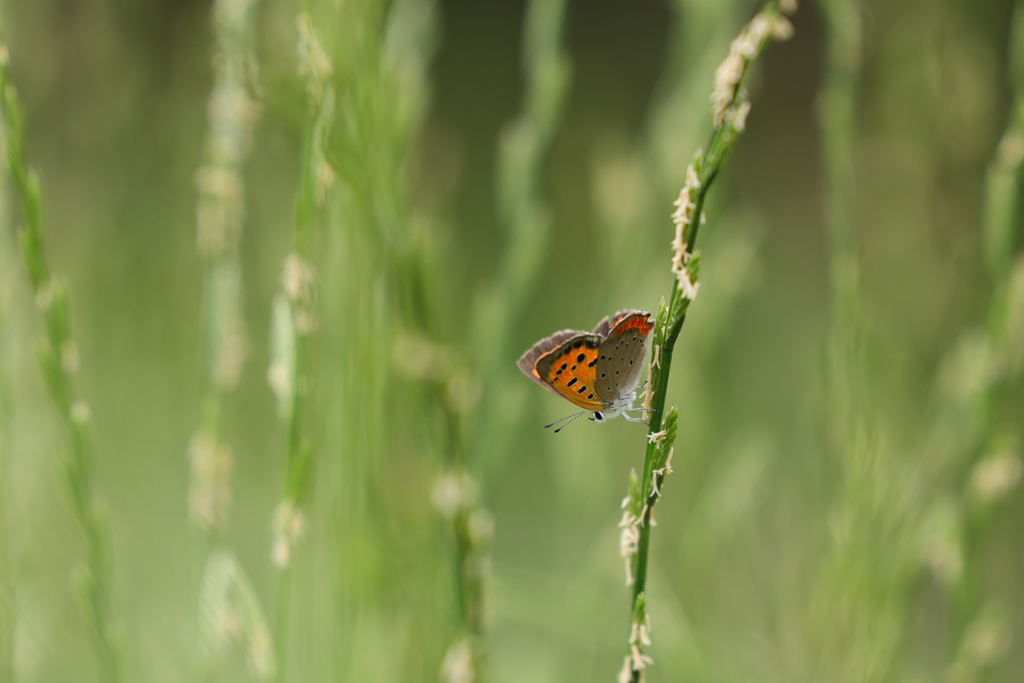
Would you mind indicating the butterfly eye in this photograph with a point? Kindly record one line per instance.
(597, 417)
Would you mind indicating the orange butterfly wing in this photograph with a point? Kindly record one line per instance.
(567, 369)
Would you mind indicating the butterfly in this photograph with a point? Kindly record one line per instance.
(597, 371)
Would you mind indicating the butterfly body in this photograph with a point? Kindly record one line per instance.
(598, 371)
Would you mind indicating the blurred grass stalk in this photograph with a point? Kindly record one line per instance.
(7, 614)
(295, 319)
(888, 506)
(857, 609)
(355, 377)
(228, 607)
(220, 215)
(525, 222)
(730, 106)
(836, 116)
(860, 603)
(986, 459)
(372, 267)
(524, 217)
(58, 359)
(676, 125)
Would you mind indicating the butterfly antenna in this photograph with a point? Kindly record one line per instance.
(570, 420)
(567, 417)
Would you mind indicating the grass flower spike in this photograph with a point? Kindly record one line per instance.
(232, 112)
(730, 108)
(229, 609)
(295, 319)
(58, 358)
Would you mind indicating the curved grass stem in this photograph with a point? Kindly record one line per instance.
(58, 359)
(730, 106)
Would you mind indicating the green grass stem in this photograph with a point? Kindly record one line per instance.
(524, 217)
(295, 319)
(58, 359)
(7, 582)
(230, 610)
(862, 638)
(730, 107)
(836, 116)
(371, 276)
(986, 459)
(525, 223)
(220, 217)
(887, 504)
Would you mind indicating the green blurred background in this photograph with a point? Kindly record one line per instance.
(783, 552)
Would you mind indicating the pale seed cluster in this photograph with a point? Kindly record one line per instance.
(744, 48)
(657, 438)
(323, 181)
(995, 476)
(260, 654)
(1014, 326)
(459, 664)
(69, 356)
(80, 413)
(944, 553)
(454, 493)
(421, 358)
(636, 660)
(229, 614)
(314, 64)
(682, 217)
(987, 640)
(649, 384)
(661, 472)
(281, 371)
(454, 496)
(220, 210)
(288, 527)
(628, 538)
(1010, 150)
(209, 494)
(232, 343)
(298, 280)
